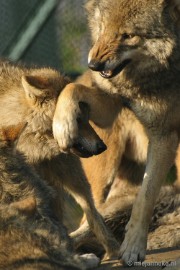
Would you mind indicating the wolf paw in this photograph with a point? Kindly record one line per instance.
(133, 248)
(65, 126)
(90, 260)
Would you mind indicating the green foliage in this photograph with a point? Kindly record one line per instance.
(73, 38)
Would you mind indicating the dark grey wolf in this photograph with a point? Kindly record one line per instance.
(29, 231)
(135, 62)
(31, 161)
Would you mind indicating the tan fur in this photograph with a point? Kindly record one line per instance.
(136, 49)
(31, 160)
(11, 133)
(116, 175)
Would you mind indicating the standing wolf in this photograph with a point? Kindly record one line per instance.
(135, 61)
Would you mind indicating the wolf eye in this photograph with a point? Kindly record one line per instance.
(127, 36)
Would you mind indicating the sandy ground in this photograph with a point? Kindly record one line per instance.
(155, 260)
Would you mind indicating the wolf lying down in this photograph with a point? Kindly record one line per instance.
(135, 63)
(33, 172)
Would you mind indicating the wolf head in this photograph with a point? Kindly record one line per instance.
(28, 103)
(141, 34)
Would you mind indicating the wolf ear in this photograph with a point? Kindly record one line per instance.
(36, 86)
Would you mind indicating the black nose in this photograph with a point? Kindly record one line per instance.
(96, 65)
(100, 147)
(80, 150)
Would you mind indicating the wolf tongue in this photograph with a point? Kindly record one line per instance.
(107, 73)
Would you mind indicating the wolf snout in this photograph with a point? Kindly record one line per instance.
(96, 65)
(100, 147)
(105, 68)
(85, 149)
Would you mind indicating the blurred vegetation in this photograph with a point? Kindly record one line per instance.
(73, 36)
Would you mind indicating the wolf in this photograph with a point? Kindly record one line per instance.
(135, 64)
(32, 167)
(119, 171)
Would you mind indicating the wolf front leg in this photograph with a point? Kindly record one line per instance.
(78, 186)
(96, 224)
(161, 155)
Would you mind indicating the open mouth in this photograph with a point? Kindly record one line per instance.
(107, 74)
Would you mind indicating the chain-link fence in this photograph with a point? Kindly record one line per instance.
(73, 38)
(45, 33)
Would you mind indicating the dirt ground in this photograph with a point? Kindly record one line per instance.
(168, 258)
(155, 260)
